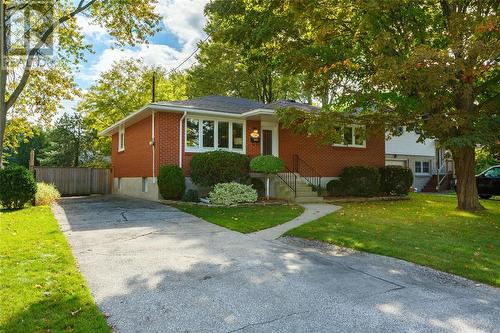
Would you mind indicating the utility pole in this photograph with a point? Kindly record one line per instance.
(154, 88)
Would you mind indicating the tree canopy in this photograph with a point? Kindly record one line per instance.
(429, 65)
(123, 89)
(35, 78)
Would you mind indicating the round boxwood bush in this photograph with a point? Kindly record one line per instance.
(17, 187)
(360, 181)
(210, 168)
(395, 180)
(267, 164)
(171, 182)
(232, 193)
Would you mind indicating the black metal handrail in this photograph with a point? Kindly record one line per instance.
(307, 172)
(290, 179)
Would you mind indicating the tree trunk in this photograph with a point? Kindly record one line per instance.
(465, 160)
(3, 81)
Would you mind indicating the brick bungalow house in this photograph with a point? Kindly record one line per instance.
(172, 132)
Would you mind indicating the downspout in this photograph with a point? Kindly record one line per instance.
(180, 138)
(152, 143)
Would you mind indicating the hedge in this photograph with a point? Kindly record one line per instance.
(210, 168)
(359, 181)
(395, 180)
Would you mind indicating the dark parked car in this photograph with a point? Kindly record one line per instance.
(488, 182)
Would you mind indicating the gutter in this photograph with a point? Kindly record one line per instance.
(180, 138)
(153, 143)
(172, 108)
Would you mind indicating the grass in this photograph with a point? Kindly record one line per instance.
(244, 219)
(41, 289)
(426, 230)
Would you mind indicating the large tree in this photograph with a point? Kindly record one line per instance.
(430, 65)
(123, 89)
(36, 75)
(69, 143)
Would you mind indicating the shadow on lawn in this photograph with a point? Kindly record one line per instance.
(57, 314)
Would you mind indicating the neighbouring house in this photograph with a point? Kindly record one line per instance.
(172, 132)
(429, 162)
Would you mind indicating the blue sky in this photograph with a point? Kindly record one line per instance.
(181, 29)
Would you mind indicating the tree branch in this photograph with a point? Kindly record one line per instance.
(29, 62)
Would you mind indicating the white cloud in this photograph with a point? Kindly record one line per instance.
(185, 19)
(151, 54)
(91, 31)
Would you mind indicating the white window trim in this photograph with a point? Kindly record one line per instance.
(200, 148)
(422, 168)
(353, 139)
(121, 143)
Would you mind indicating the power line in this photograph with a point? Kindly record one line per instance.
(190, 56)
(197, 48)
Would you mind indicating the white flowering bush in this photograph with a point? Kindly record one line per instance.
(232, 193)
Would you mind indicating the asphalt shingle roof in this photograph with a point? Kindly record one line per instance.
(236, 105)
(220, 103)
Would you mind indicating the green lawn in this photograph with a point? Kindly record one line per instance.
(41, 290)
(427, 230)
(245, 219)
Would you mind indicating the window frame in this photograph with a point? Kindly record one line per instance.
(353, 137)
(121, 141)
(200, 148)
(422, 168)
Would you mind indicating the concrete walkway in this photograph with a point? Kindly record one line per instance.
(311, 212)
(152, 268)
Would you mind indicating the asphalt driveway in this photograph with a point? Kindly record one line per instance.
(152, 268)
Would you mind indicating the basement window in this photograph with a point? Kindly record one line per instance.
(144, 184)
(121, 138)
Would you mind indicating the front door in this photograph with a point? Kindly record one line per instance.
(267, 142)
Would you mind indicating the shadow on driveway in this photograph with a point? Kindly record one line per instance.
(153, 268)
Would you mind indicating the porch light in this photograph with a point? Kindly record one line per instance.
(255, 136)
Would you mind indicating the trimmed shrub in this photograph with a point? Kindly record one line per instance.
(335, 187)
(232, 193)
(267, 164)
(191, 196)
(358, 181)
(17, 187)
(46, 194)
(171, 182)
(259, 186)
(395, 180)
(210, 168)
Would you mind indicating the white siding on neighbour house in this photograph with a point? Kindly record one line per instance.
(407, 144)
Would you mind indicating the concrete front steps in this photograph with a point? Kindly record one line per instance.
(304, 194)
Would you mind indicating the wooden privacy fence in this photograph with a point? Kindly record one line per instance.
(75, 181)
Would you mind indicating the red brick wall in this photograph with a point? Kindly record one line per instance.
(137, 158)
(167, 126)
(329, 160)
(253, 149)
